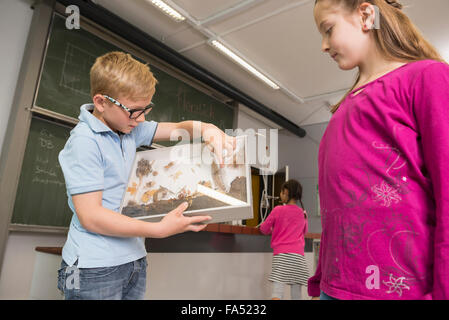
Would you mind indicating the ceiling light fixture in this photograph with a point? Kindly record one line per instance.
(168, 10)
(228, 52)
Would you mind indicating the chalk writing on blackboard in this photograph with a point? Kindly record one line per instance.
(198, 109)
(77, 64)
(42, 173)
(41, 195)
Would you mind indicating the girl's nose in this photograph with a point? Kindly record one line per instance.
(325, 46)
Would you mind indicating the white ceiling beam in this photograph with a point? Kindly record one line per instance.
(231, 11)
(249, 23)
(326, 105)
(329, 95)
(267, 16)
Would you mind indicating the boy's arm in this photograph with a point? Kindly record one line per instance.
(97, 219)
(211, 134)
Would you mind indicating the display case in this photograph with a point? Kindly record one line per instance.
(162, 179)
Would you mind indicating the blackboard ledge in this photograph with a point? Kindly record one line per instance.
(13, 227)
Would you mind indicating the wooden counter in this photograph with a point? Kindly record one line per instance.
(227, 228)
(217, 237)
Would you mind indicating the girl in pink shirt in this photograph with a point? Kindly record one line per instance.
(383, 160)
(288, 225)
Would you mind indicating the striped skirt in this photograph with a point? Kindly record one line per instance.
(289, 268)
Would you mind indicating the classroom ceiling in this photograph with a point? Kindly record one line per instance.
(278, 37)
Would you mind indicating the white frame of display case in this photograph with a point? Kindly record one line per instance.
(218, 214)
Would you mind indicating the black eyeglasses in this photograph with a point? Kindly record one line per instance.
(133, 113)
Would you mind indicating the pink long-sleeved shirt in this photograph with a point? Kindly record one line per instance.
(384, 189)
(288, 226)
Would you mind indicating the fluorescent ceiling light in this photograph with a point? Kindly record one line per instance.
(168, 10)
(221, 47)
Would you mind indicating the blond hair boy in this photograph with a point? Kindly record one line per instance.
(104, 256)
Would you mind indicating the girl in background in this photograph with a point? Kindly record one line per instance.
(383, 159)
(288, 225)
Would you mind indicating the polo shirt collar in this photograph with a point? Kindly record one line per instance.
(94, 123)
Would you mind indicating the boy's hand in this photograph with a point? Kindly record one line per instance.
(218, 141)
(175, 222)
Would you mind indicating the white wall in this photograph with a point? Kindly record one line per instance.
(247, 121)
(15, 20)
(215, 276)
(19, 262)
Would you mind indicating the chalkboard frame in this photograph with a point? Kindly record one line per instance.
(58, 118)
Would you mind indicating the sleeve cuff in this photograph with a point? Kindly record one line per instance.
(81, 190)
(154, 133)
(313, 289)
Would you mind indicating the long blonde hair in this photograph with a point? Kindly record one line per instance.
(397, 38)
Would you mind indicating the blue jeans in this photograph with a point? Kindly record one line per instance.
(123, 282)
(324, 296)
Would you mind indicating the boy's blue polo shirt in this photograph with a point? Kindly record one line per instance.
(96, 158)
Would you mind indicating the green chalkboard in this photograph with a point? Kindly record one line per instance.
(65, 84)
(41, 197)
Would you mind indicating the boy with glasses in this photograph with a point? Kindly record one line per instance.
(104, 256)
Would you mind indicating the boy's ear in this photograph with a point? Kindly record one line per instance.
(98, 100)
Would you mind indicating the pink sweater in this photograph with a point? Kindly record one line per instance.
(384, 189)
(288, 226)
